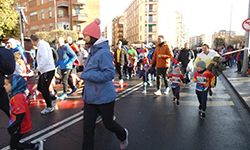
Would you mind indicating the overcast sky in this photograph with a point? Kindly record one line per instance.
(201, 16)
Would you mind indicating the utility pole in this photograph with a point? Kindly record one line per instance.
(246, 52)
(147, 18)
(230, 23)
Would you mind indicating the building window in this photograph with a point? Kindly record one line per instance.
(77, 8)
(51, 26)
(42, 2)
(42, 14)
(18, 5)
(27, 32)
(25, 6)
(43, 27)
(50, 12)
(140, 28)
(150, 8)
(49, 0)
(78, 28)
(33, 13)
(150, 18)
(60, 12)
(140, 18)
(150, 29)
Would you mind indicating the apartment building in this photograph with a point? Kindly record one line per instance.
(144, 20)
(197, 41)
(224, 34)
(107, 33)
(117, 29)
(47, 15)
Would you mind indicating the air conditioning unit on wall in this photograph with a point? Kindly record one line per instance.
(82, 6)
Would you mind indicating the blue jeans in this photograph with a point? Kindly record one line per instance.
(202, 98)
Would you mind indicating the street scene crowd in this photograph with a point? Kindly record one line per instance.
(92, 68)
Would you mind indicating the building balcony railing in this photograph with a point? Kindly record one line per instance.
(80, 17)
(150, 1)
(151, 11)
(62, 15)
(151, 21)
(79, 2)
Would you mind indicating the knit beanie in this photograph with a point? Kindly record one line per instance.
(93, 29)
(201, 64)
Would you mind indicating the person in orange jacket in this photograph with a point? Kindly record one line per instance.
(162, 56)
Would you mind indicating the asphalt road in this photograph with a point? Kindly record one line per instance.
(154, 123)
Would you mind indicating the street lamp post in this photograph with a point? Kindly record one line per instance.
(21, 16)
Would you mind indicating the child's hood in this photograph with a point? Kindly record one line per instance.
(18, 85)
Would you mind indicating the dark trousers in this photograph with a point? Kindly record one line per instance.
(43, 86)
(239, 66)
(66, 80)
(161, 72)
(202, 98)
(176, 92)
(90, 114)
(130, 70)
(186, 75)
(119, 69)
(4, 101)
(14, 142)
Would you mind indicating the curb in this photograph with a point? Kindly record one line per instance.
(238, 94)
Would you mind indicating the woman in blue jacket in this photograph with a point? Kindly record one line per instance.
(99, 92)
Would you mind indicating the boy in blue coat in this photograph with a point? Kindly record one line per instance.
(66, 58)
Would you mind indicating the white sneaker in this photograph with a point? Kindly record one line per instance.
(47, 110)
(121, 81)
(124, 144)
(144, 91)
(166, 91)
(158, 93)
(39, 145)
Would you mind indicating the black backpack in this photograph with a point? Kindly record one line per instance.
(7, 61)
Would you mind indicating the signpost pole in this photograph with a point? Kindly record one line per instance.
(246, 52)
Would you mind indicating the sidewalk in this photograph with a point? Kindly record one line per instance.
(240, 84)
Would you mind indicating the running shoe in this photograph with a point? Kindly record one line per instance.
(124, 144)
(157, 93)
(63, 96)
(47, 110)
(73, 91)
(166, 91)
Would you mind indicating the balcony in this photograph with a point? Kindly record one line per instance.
(62, 17)
(80, 17)
(62, 3)
(79, 2)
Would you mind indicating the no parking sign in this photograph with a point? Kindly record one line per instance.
(246, 24)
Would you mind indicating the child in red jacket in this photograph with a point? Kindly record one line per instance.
(205, 80)
(177, 80)
(20, 121)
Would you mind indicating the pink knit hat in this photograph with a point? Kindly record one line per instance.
(93, 29)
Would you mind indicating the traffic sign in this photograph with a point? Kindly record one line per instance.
(246, 24)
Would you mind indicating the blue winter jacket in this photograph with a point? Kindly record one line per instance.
(21, 50)
(66, 56)
(98, 74)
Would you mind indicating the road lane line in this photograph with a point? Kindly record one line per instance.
(46, 129)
